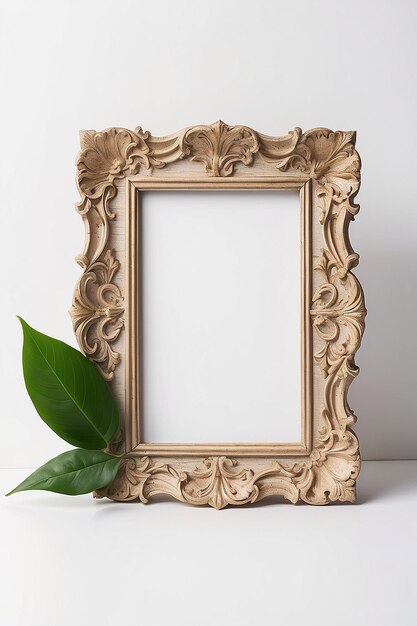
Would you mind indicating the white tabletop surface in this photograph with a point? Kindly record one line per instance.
(74, 561)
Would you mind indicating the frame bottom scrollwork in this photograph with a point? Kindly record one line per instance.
(328, 476)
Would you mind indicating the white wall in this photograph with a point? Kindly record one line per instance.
(67, 65)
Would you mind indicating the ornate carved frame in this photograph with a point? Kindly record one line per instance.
(324, 165)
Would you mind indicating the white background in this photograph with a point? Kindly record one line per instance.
(164, 65)
(85, 64)
(221, 316)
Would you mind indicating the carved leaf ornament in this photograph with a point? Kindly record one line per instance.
(331, 162)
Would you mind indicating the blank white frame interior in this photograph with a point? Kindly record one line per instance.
(221, 310)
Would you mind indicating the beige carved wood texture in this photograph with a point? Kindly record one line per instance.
(111, 167)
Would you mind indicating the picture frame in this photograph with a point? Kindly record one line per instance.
(113, 167)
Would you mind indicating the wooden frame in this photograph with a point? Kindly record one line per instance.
(113, 166)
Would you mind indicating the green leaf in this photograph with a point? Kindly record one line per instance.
(68, 392)
(73, 473)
